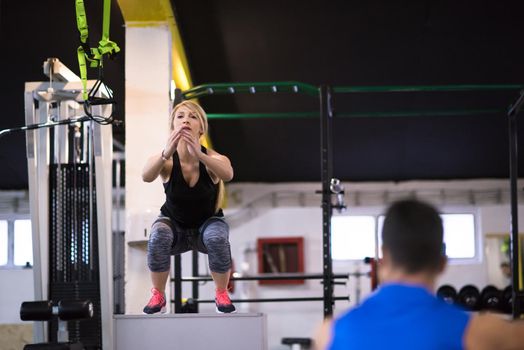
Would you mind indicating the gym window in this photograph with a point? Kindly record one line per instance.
(459, 235)
(357, 237)
(3, 243)
(353, 237)
(16, 243)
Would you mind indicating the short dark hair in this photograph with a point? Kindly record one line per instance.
(413, 235)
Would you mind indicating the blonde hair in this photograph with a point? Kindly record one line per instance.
(195, 109)
(202, 118)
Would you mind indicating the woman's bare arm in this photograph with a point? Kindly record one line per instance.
(155, 166)
(216, 163)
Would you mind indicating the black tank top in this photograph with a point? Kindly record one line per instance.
(190, 206)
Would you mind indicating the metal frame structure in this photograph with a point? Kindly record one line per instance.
(326, 166)
(64, 98)
(325, 94)
(260, 277)
(517, 299)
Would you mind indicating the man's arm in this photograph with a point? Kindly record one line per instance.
(489, 331)
(323, 335)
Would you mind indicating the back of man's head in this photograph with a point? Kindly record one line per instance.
(413, 236)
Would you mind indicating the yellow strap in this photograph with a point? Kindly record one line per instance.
(83, 70)
(94, 55)
(81, 20)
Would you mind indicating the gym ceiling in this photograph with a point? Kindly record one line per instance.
(434, 135)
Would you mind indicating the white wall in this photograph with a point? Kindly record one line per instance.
(16, 287)
(16, 284)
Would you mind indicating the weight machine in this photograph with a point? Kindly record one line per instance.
(69, 158)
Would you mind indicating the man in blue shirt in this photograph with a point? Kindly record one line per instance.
(404, 313)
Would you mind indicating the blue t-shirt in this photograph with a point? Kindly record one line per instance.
(399, 316)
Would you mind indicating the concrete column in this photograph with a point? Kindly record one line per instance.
(148, 76)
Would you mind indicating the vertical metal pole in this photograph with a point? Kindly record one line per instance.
(37, 145)
(62, 135)
(194, 284)
(118, 240)
(326, 166)
(32, 156)
(118, 190)
(102, 158)
(178, 284)
(514, 237)
(91, 202)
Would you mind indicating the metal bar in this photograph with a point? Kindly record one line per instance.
(298, 87)
(273, 300)
(194, 267)
(380, 114)
(11, 243)
(261, 115)
(326, 166)
(37, 192)
(45, 125)
(425, 88)
(91, 201)
(195, 95)
(265, 277)
(178, 284)
(260, 84)
(442, 113)
(514, 237)
(102, 210)
(252, 88)
(232, 88)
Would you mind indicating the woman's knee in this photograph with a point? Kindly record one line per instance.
(215, 237)
(161, 236)
(216, 233)
(159, 247)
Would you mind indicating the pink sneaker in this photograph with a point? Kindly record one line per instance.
(223, 303)
(157, 303)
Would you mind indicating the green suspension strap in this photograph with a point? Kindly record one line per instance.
(93, 55)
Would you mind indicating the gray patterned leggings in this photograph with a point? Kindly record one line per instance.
(168, 238)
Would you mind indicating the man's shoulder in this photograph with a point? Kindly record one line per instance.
(379, 303)
(367, 309)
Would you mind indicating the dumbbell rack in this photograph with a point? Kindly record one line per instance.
(471, 298)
